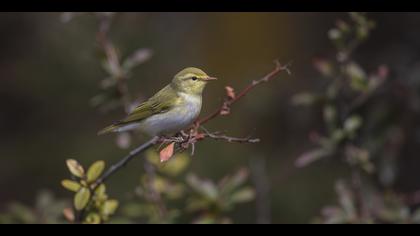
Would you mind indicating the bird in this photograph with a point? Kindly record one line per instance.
(170, 110)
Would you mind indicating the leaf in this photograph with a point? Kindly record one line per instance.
(204, 187)
(70, 185)
(231, 183)
(358, 77)
(159, 184)
(75, 168)
(176, 166)
(243, 195)
(179, 163)
(346, 199)
(81, 199)
(93, 218)
(353, 123)
(230, 92)
(69, 214)
(166, 153)
(109, 207)
(334, 34)
(95, 170)
(311, 156)
(100, 190)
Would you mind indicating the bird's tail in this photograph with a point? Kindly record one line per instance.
(108, 129)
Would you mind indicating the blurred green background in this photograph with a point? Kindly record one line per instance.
(49, 70)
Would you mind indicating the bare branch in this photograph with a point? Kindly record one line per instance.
(113, 60)
(114, 168)
(230, 101)
(228, 138)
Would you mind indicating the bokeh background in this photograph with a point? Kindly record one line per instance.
(49, 71)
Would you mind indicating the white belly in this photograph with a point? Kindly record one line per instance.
(174, 120)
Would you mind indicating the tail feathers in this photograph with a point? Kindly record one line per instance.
(109, 129)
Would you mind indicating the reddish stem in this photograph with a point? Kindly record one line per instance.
(230, 101)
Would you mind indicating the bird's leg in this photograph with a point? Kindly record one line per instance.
(176, 138)
(184, 134)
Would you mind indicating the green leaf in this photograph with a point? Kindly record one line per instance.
(100, 190)
(177, 164)
(204, 187)
(93, 218)
(75, 168)
(109, 207)
(70, 185)
(95, 170)
(160, 184)
(353, 123)
(244, 195)
(81, 199)
(231, 183)
(153, 157)
(358, 77)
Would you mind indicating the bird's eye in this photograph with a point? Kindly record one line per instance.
(194, 78)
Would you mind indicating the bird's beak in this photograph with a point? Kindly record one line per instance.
(209, 78)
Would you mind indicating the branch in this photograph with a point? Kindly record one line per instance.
(228, 138)
(225, 107)
(114, 168)
(113, 60)
(186, 139)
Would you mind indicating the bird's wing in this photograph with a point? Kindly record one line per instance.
(161, 102)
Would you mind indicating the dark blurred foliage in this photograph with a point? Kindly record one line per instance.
(49, 72)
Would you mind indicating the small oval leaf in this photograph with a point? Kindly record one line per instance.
(81, 199)
(93, 218)
(69, 214)
(100, 190)
(95, 170)
(110, 207)
(244, 195)
(75, 168)
(167, 152)
(70, 185)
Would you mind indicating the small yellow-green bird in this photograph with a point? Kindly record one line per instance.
(170, 110)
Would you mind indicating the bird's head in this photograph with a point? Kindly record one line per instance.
(191, 80)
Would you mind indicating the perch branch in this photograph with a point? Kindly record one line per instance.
(114, 168)
(183, 139)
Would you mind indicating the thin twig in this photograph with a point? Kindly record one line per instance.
(228, 138)
(113, 60)
(229, 102)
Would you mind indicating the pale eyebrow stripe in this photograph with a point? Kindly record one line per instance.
(191, 75)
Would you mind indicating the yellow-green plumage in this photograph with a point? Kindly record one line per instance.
(171, 109)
